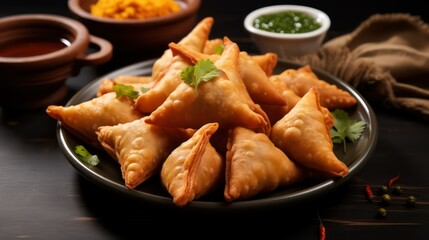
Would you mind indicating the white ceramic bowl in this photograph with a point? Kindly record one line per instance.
(288, 44)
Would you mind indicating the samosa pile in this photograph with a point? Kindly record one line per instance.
(212, 116)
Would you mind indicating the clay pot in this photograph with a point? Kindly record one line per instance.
(38, 53)
(138, 36)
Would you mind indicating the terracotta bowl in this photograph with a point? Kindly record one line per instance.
(138, 36)
(38, 53)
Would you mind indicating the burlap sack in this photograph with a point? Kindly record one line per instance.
(386, 58)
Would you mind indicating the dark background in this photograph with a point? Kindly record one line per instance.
(345, 15)
(43, 197)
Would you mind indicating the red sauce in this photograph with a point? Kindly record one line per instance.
(32, 47)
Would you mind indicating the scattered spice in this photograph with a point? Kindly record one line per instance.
(369, 192)
(393, 180)
(397, 190)
(134, 9)
(384, 189)
(411, 201)
(322, 229)
(382, 212)
(385, 198)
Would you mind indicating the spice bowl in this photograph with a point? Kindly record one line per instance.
(288, 30)
(38, 53)
(136, 36)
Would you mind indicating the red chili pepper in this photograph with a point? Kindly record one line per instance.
(369, 192)
(322, 229)
(393, 180)
(322, 232)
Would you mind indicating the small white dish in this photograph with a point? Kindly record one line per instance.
(288, 44)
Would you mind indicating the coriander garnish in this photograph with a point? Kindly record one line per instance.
(125, 90)
(85, 156)
(144, 90)
(203, 71)
(345, 128)
(219, 49)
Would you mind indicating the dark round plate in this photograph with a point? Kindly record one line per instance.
(108, 174)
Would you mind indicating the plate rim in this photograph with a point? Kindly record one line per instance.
(303, 195)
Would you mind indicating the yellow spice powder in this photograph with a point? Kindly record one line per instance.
(134, 9)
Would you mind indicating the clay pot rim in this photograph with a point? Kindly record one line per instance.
(79, 44)
(189, 9)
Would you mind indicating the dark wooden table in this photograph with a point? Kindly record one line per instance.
(43, 197)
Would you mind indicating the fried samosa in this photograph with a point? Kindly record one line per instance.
(223, 99)
(259, 86)
(83, 119)
(267, 61)
(138, 82)
(196, 39)
(195, 168)
(302, 134)
(254, 165)
(256, 82)
(331, 97)
(276, 112)
(163, 86)
(212, 46)
(140, 148)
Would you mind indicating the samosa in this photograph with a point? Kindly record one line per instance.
(302, 134)
(195, 168)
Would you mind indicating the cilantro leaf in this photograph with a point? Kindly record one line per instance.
(345, 128)
(187, 75)
(125, 90)
(144, 90)
(85, 156)
(203, 71)
(219, 49)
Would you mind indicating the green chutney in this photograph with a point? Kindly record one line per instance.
(286, 22)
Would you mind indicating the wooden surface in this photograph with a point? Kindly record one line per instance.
(43, 197)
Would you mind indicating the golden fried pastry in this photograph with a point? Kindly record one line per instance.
(196, 40)
(166, 70)
(275, 112)
(254, 165)
(163, 85)
(302, 134)
(193, 169)
(83, 119)
(257, 84)
(267, 62)
(211, 46)
(223, 99)
(107, 84)
(139, 148)
(331, 97)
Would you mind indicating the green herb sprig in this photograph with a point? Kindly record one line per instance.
(219, 49)
(125, 90)
(84, 155)
(203, 71)
(345, 128)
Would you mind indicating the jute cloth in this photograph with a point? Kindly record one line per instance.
(386, 58)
